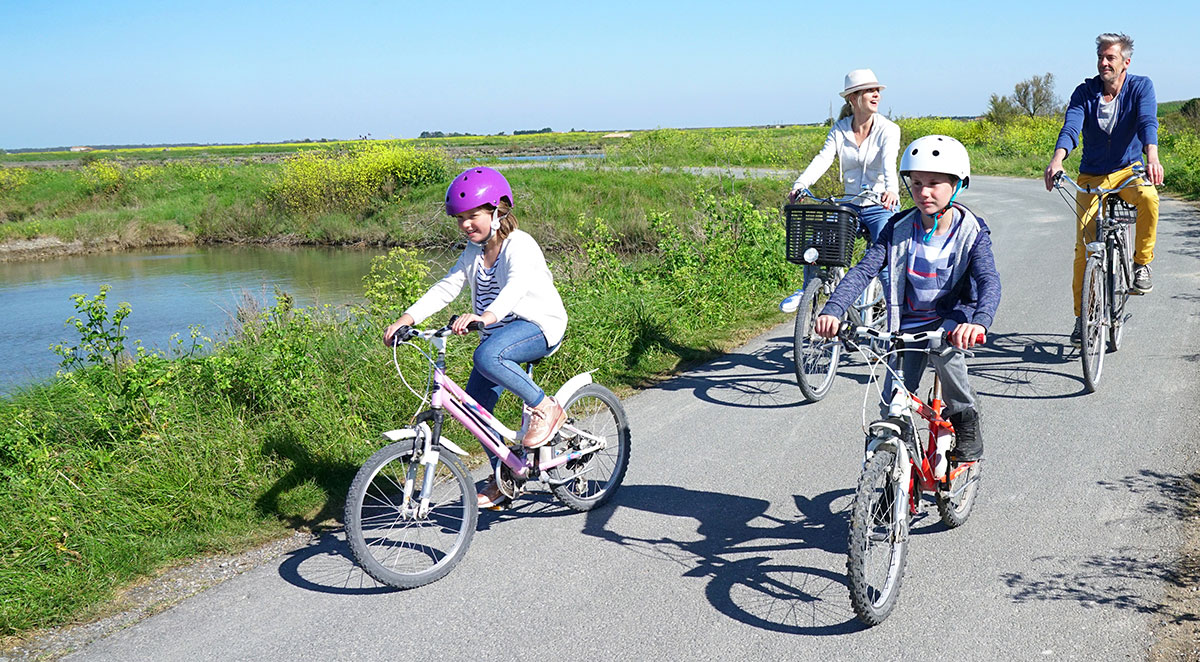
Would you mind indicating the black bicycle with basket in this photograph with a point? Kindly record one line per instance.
(821, 236)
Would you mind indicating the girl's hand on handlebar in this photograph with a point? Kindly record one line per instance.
(389, 333)
(826, 326)
(796, 195)
(889, 200)
(966, 336)
(459, 326)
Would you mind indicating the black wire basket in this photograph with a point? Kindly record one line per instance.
(830, 229)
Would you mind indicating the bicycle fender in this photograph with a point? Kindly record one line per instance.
(408, 433)
(452, 447)
(573, 384)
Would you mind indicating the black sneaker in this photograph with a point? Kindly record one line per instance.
(968, 439)
(1141, 278)
(1077, 334)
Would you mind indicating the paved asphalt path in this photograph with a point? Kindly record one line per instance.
(728, 539)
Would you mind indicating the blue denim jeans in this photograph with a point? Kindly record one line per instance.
(497, 364)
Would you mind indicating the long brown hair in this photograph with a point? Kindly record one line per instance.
(508, 222)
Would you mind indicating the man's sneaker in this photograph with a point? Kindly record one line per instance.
(968, 438)
(1141, 278)
(790, 304)
(1077, 334)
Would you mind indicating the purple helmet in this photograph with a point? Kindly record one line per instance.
(474, 187)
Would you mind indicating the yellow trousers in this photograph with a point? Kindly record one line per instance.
(1145, 198)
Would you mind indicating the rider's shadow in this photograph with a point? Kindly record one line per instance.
(740, 555)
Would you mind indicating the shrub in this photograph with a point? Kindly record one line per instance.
(12, 179)
(103, 177)
(326, 180)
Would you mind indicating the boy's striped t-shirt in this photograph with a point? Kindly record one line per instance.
(930, 264)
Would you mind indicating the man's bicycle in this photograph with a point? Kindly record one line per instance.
(905, 459)
(411, 509)
(1107, 274)
(821, 236)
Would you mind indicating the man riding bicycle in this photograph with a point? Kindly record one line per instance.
(1116, 114)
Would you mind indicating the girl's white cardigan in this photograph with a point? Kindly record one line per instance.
(526, 287)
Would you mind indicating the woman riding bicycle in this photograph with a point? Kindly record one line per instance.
(512, 295)
(943, 276)
(866, 144)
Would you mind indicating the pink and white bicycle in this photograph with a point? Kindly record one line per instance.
(411, 510)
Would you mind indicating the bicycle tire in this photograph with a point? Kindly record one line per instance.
(1093, 313)
(814, 359)
(874, 528)
(407, 551)
(954, 509)
(1120, 282)
(596, 476)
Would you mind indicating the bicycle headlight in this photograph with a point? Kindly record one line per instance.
(811, 255)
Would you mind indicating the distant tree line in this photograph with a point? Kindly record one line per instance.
(525, 132)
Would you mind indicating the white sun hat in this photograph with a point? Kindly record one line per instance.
(860, 79)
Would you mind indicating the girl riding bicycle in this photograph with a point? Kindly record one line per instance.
(865, 144)
(943, 276)
(512, 295)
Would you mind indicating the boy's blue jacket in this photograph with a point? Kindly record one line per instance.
(974, 296)
(1136, 125)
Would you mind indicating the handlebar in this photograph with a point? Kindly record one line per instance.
(406, 333)
(847, 332)
(1137, 173)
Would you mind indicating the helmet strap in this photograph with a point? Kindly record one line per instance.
(938, 216)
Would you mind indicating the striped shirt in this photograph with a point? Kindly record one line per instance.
(486, 290)
(930, 264)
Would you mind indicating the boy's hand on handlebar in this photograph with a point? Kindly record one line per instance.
(826, 326)
(966, 336)
(796, 195)
(889, 200)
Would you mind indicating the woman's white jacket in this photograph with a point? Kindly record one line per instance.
(870, 166)
(526, 286)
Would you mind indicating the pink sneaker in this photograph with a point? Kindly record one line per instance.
(544, 422)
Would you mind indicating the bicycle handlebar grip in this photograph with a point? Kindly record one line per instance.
(475, 326)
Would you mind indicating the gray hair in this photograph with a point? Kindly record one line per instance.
(1109, 38)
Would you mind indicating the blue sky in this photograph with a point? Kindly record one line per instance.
(121, 72)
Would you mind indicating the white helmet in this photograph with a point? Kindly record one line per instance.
(937, 154)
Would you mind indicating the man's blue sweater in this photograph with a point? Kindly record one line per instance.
(1136, 125)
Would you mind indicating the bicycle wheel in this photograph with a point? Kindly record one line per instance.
(1094, 314)
(954, 503)
(593, 414)
(1120, 280)
(815, 358)
(389, 537)
(878, 540)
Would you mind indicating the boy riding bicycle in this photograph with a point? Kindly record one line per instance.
(942, 276)
(1116, 115)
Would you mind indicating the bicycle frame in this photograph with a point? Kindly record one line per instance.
(448, 396)
(920, 474)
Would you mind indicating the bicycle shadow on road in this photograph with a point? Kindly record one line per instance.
(761, 378)
(748, 581)
(325, 566)
(1119, 580)
(1027, 366)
